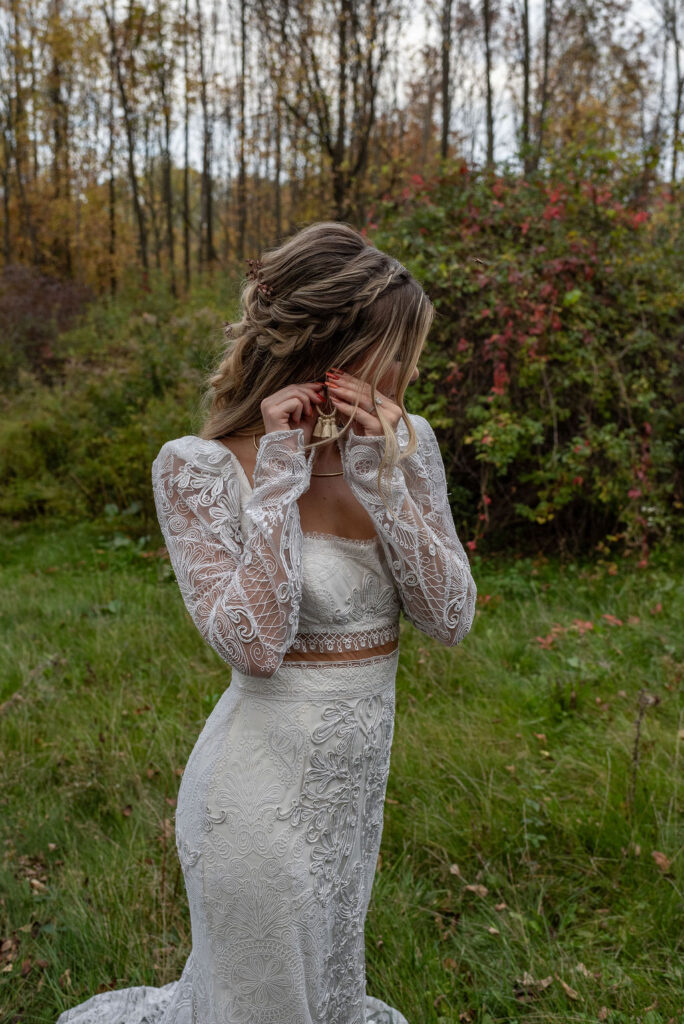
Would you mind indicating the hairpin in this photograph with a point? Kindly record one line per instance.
(254, 267)
(265, 289)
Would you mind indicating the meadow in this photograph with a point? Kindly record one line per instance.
(531, 867)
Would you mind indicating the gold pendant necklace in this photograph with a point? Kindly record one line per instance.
(339, 473)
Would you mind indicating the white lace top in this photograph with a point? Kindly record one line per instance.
(256, 586)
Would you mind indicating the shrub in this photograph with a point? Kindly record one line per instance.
(554, 370)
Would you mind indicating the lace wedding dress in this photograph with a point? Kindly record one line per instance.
(280, 808)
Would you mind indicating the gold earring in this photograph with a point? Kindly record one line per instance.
(325, 425)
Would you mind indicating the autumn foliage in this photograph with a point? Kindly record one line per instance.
(554, 371)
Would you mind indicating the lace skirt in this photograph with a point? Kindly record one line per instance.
(278, 829)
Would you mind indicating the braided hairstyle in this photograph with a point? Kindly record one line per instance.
(326, 297)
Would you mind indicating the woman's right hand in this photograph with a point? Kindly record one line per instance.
(292, 407)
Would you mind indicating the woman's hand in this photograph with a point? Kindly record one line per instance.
(343, 391)
(293, 407)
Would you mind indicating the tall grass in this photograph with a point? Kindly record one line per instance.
(531, 865)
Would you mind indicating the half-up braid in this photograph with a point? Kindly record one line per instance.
(326, 297)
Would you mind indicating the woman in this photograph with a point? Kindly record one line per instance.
(296, 578)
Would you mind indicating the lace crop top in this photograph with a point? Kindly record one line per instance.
(256, 586)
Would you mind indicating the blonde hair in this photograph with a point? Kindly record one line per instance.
(325, 297)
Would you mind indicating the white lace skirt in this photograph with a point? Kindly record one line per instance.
(278, 829)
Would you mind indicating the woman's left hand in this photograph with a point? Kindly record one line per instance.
(343, 391)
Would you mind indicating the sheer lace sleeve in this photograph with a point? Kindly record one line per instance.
(243, 593)
(424, 553)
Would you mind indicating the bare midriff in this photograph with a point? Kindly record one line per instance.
(366, 652)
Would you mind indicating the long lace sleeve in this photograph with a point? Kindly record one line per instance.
(424, 553)
(242, 593)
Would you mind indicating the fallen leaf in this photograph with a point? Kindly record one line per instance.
(501, 906)
(493, 931)
(528, 981)
(661, 860)
(603, 1013)
(454, 870)
(570, 992)
(481, 890)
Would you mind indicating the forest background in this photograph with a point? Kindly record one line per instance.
(524, 160)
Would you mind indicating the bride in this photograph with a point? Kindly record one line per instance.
(296, 536)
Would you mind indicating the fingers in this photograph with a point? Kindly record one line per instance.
(348, 392)
(366, 420)
(297, 395)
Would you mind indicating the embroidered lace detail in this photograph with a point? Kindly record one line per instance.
(332, 641)
(280, 809)
(424, 554)
(242, 592)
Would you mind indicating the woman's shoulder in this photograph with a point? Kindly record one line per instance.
(207, 455)
(425, 435)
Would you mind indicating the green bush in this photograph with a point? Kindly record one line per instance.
(131, 377)
(554, 369)
(552, 375)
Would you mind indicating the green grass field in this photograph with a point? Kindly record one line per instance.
(531, 866)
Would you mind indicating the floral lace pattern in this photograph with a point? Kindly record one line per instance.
(426, 558)
(280, 809)
(278, 826)
(243, 593)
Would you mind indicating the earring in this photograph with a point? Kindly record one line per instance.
(326, 424)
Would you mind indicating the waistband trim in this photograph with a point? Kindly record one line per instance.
(311, 680)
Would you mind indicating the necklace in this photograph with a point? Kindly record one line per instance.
(339, 473)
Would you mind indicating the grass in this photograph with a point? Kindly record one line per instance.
(531, 866)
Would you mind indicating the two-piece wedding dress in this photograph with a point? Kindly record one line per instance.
(280, 809)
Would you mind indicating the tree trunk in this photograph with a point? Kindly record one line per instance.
(487, 24)
(526, 156)
(19, 136)
(446, 75)
(277, 191)
(242, 177)
(167, 188)
(186, 148)
(340, 178)
(679, 89)
(6, 234)
(130, 139)
(548, 23)
(112, 181)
